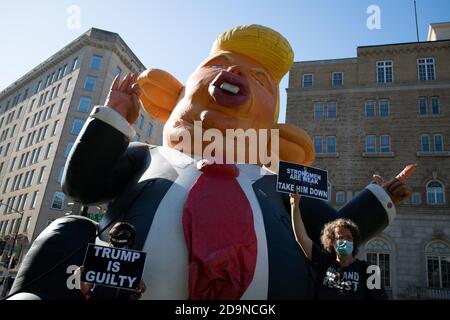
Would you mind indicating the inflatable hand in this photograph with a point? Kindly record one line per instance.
(124, 97)
(396, 187)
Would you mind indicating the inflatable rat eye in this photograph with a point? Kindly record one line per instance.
(217, 65)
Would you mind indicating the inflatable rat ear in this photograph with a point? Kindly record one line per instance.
(295, 145)
(160, 93)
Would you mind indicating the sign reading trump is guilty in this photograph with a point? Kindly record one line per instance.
(306, 181)
(113, 267)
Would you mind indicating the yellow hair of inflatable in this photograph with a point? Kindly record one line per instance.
(262, 44)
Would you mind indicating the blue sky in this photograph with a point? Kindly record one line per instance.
(177, 35)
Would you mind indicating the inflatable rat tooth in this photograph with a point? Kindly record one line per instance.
(211, 230)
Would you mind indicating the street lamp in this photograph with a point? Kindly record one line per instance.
(11, 250)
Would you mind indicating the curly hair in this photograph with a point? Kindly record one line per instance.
(328, 236)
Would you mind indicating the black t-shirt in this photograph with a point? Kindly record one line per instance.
(347, 283)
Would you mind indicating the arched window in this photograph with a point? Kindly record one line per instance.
(438, 264)
(378, 252)
(435, 193)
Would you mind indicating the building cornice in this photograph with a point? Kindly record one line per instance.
(404, 48)
(324, 62)
(114, 44)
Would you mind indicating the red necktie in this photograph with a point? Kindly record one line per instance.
(220, 236)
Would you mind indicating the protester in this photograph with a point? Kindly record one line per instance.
(341, 275)
(121, 235)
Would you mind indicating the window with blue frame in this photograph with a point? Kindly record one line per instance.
(425, 143)
(318, 144)
(96, 62)
(384, 108)
(422, 106)
(89, 85)
(331, 144)
(371, 144)
(337, 79)
(85, 104)
(371, 109)
(77, 126)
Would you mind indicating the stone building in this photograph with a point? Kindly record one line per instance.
(375, 113)
(41, 115)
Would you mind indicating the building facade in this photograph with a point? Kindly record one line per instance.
(41, 115)
(374, 114)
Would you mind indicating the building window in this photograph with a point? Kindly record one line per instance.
(5, 186)
(384, 72)
(437, 140)
(137, 137)
(435, 193)
(77, 126)
(425, 143)
(140, 121)
(325, 109)
(47, 151)
(422, 106)
(384, 108)
(58, 201)
(425, 68)
(61, 106)
(149, 129)
(41, 175)
(340, 197)
(318, 144)
(64, 70)
(308, 80)
(117, 72)
(331, 110)
(331, 144)
(438, 144)
(24, 200)
(371, 144)
(96, 62)
(38, 87)
(435, 109)
(371, 109)
(26, 226)
(69, 81)
(90, 82)
(85, 104)
(337, 79)
(416, 198)
(74, 64)
(385, 143)
(34, 200)
(438, 264)
(318, 111)
(68, 148)
(55, 127)
(378, 253)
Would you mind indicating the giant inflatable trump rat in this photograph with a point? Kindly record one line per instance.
(210, 230)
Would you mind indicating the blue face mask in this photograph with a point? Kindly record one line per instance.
(344, 248)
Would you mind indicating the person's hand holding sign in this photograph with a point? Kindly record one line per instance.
(396, 187)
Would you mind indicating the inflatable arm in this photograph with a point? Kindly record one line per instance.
(102, 163)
